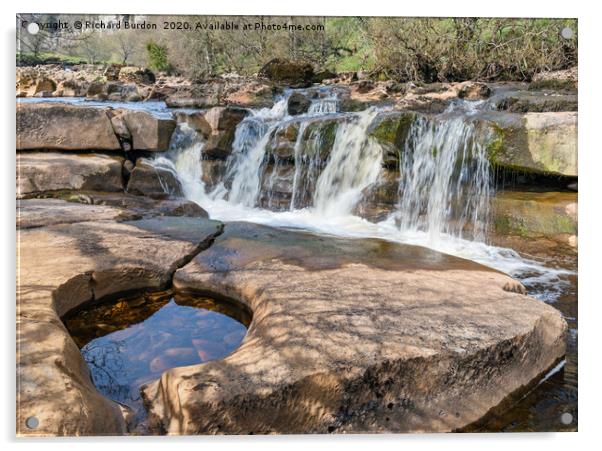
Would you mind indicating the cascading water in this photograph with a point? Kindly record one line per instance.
(445, 183)
(248, 151)
(354, 164)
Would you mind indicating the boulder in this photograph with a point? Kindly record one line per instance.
(48, 171)
(536, 142)
(298, 104)
(137, 75)
(277, 187)
(218, 126)
(97, 90)
(213, 173)
(44, 84)
(472, 90)
(119, 125)
(151, 181)
(112, 71)
(380, 199)
(353, 336)
(283, 140)
(59, 126)
(149, 132)
(64, 266)
(292, 74)
(391, 130)
(70, 88)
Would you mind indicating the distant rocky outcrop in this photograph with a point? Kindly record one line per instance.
(290, 73)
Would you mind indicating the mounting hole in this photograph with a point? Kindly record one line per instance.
(566, 418)
(567, 33)
(32, 422)
(33, 28)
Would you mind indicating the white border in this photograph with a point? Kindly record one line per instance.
(590, 205)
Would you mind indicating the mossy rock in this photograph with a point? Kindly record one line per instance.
(391, 130)
(532, 214)
(319, 138)
(544, 143)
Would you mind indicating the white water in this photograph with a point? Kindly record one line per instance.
(441, 191)
(445, 180)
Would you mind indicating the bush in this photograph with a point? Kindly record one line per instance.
(157, 57)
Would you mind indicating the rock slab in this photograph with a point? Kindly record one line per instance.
(63, 266)
(39, 172)
(354, 336)
(59, 126)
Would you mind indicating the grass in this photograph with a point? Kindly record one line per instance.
(29, 59)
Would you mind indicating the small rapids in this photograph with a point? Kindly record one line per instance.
(444, 182)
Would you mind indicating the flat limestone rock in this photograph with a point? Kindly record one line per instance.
(45, 212)
(38, 172)
(59, 126)
(353, 335)
(60, 267)
(140, 205)
(81, 206)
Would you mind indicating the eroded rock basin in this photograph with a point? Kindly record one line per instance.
(129, 342)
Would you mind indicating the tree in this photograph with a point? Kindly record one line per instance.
(125, 47)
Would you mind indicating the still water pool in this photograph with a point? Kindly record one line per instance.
(130, 342)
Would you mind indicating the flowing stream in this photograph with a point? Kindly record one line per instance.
(444, 190)
(444, 182)
(330, 167)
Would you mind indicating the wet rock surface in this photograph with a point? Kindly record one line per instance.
(405, 352)
(147, 180)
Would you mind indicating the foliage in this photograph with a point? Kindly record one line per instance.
(417, 49)
(157, 56)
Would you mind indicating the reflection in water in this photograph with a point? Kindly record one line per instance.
(130, 342)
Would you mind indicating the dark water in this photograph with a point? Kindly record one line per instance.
(130, 342)
(541, 408)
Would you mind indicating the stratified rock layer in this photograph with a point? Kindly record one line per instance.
(64, 127)
(354, 336)
(39, 172)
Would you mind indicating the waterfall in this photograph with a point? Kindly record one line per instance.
(248, 151)
(184, 161)
(444, 185)
(354, 164)
(444, 179)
